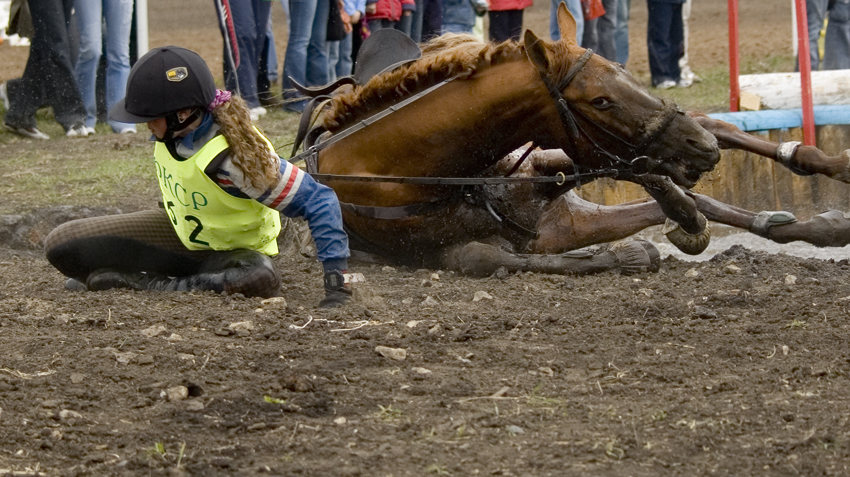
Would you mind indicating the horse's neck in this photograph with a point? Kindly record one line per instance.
(504, 107)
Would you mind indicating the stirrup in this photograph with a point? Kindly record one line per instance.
(768, 218)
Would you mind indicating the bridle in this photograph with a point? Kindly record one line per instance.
(570, 117)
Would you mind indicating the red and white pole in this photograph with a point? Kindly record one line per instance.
(805, 73)
(734, 70)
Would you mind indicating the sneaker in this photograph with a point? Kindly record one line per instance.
(32, 133)
(257, 112)
(4, 95)
(685, 82)
(78, 130)
(89, 130)
(666, 84)
(126, 131)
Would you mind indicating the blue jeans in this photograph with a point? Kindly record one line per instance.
(118, 15)
(339, 58)
(574, 6)
(836, 54)
(457, 28)
(599, 32)
(306, 58)
(621, 33)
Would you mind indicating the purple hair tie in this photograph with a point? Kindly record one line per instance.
(221, 97)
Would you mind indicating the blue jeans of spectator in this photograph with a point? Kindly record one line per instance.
(621, 34)
(339, 58)
(574, 6)
(118, 15)
(306, 58)
(250, 22)
(599, 32)
(457, 28)
(836, 53)
(48, 77)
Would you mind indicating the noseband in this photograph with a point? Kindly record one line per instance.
(570, 115)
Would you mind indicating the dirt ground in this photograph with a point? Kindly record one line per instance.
(737, 365)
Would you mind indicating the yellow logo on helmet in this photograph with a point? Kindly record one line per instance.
(177, 74)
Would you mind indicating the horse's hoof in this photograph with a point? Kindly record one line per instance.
(691, 244)
(636, 256)
(768, 218)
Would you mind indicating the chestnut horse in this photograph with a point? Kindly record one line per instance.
(472, 105)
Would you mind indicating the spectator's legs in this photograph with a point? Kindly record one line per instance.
(119, 19)
(333, 59)
(250, 20)
(505, 25)
(432, 19)
(344, 65)
(815, 15)
(606, 26)
(664, 37)
(416, 21)
(57, 82)
(301, 17)
(317, 50)
(836, 53)
(89, 15)
(621, 35)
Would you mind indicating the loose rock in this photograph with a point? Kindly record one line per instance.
(397, 354)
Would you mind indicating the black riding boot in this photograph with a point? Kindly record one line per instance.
(240, 271)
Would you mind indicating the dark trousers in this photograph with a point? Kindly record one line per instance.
(48, 78)
(250, 22)
(432, 19)
(505, 25)
(665, 40)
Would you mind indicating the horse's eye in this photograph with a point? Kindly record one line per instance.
(601, 103)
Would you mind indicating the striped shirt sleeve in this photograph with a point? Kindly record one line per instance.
(232, 179)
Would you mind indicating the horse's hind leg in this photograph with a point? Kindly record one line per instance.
(829, 229)
(802, 160)
(480, 259)
(570, 222)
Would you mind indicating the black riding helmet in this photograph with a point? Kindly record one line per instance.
(163, 81)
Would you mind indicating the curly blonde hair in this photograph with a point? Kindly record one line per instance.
(249, 150)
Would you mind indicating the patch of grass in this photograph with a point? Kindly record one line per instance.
(795, 323)
(389, 413)
(711, 95)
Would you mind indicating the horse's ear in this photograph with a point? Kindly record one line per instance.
(536, 51)
(566, 23)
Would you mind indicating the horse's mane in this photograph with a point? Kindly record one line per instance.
(443, 57)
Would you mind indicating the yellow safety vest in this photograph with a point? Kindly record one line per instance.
(205, 216)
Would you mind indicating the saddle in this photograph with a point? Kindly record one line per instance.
(384, 51)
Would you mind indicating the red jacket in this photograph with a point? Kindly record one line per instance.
(501, 5)
(390, 9)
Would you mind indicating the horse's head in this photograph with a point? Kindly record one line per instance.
(611, 120)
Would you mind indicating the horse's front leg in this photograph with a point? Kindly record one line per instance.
(829, 229)
(799, 159)
(688, 230)
(481, 259)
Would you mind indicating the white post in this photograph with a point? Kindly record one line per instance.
(793, 28)
(141, 27)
